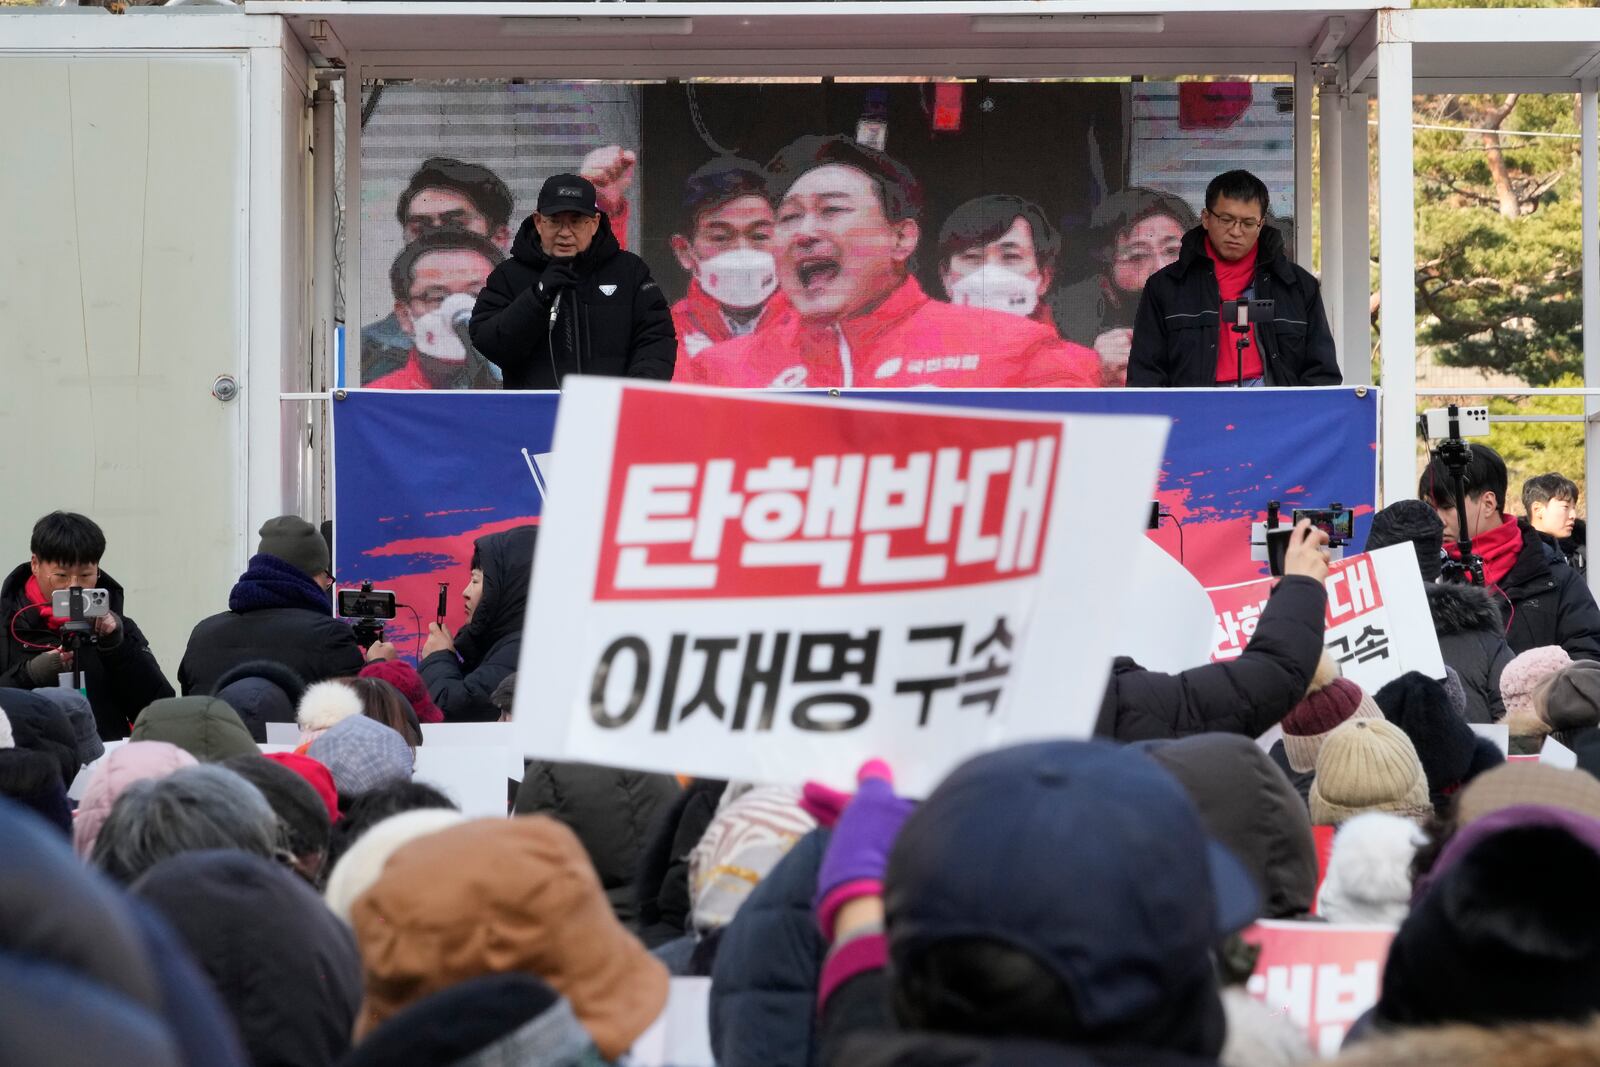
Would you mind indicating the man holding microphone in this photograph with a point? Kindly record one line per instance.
(570, 300)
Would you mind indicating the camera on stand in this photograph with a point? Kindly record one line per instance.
(368, 608)
(1452, 424)
(78, 606)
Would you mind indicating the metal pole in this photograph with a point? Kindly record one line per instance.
(1331, 144)
(323, 228)
(1303, 200)
(1589, 115)
(1397, 263)
(1355, 245)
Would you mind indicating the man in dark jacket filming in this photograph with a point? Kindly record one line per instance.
(570, 300)
(1234, 255)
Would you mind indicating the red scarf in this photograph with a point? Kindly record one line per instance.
(38, 600)
(1498, 548)
(1233, 278)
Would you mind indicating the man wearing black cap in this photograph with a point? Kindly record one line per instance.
(570, 300)
(278, 610)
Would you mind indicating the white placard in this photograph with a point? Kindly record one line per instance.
(1378, 623)
(1498, 732)
(283, 733)
(469, 734)
(776, 588)
(475, 778)
(1554, 754)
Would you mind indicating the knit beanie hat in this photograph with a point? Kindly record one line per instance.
(316, 775)
(1329, 702)
(1516, 785)
(1410, 521)
(1569, 699)
(296, 542)
(1519, 679)
(1368, 765)
(132, 762)
(404, 677)
(1443, 740)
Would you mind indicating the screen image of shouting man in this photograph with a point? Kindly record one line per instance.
(845, 237)
(436, 280)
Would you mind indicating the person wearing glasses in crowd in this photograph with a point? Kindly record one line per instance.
(570, 300)
(435, 280)
(1234, 254)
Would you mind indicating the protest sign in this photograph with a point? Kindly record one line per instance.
(801, 584)
(1378, 623)
(1498, 732)
(476, 778)
(1554, 754)
(1324, 977)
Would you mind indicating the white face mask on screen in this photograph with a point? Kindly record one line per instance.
(742, 279)
(436, 333)
(997, 289)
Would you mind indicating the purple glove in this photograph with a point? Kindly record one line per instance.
(859, 851)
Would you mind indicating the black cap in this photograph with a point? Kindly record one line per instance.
(567, 192)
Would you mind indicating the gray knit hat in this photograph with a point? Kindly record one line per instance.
(296, 542)
(1368, 765)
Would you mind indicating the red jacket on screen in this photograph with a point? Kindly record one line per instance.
(908, 340)
(698, 320)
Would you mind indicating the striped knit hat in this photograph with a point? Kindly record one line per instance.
(1368, 765)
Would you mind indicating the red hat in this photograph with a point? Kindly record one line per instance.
(317, 774)
(1330, 702)
(404, 677)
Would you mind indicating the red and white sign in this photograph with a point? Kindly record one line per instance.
(775, 588)
(1378, 625)
(1323, 976)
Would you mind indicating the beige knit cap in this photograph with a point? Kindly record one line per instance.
(1368, 765)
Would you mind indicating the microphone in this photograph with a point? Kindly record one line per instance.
(459, 322)
(555, 306)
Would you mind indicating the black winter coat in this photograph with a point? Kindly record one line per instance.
(1472, 640)
(490, 644)
(1248, 695)
(1547, 602)
(121, 678)
(613, 812)
(274, 613)
(615, 322)
(664, 897)
(1575, 549)
(1175, 329)
(764, 980)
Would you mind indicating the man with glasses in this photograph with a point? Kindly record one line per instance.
(435, 280)
(1234, 254)
(570, 300)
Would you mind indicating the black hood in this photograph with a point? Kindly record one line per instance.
(506, 560)
(285, 966)
(1460, 609)
(1269, 249)
(1248, 804)
(525, 248)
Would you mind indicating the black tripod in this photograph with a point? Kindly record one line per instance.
(76, 633)
(1455, 455)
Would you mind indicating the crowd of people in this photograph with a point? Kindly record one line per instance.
(206, 902)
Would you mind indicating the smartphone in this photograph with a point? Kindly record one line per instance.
(444, 601)
(366, 603)
(96, 603)
(1245, 312)
(1337, 523)
(1278, 549)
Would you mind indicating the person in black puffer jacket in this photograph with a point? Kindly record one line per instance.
(462, 674)
(278, 610)
(664, 896)
(569, 284)
(1467, 620)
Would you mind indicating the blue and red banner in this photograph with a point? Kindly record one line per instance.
(419, 476)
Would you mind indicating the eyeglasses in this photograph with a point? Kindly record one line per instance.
(429, 299)
(1228, 222)
(582, 222)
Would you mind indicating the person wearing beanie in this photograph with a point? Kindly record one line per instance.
(1369, 870)
(404, 677)
(132, 762)
(1329, 702)
(205, 727)
(117, 671)
(1568, 704)
(362, 754)
(278, 610)
(1368, 765)
(1525, 784)
(300, 811)
(1501, 929)
(326, 704)
(453, 905)
(1451, 753)
(1517, 683)
(359, 868)
(261, 691)
(317, 776)
(1410, 522)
